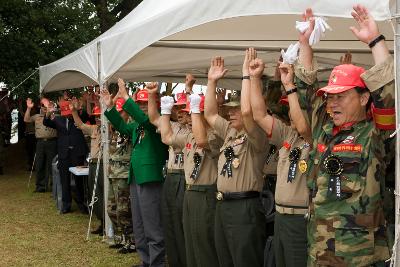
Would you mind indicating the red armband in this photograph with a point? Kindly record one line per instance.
(384, 118)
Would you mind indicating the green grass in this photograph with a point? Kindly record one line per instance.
(33, 233)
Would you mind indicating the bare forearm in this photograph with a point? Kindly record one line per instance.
(259, 108)
(77, 119)
(153, 111)
(210, 103)
(27, 116)
(166, 129)
(302, 127)
(199, 130)
(380, 52)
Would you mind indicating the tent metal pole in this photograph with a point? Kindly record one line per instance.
(105, 139)
(396, 249)
(166, 44)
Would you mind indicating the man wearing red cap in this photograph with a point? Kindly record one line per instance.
(145, 176)
(350, 123)
(72, 150)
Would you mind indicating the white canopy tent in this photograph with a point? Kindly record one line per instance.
(163, 40)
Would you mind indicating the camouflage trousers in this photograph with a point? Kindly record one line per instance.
(119, 207)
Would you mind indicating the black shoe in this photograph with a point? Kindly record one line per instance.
(65, 211)
(116, 246)
(128, 248)
(98, 231)
(1, 171)
(39, 191)
(83, 209)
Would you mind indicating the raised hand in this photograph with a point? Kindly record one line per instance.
(106, 98)
(287, 75)
(195, 101)
(217, 69)
(305, 36)
(189, 82)
(74, 104)
(256, 69)
(29, 103)
(50, 107)
(250, 55)
(151, 88)
(367, 29)
(122, 89)
(167, 102)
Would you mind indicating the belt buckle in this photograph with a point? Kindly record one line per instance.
(220, 196)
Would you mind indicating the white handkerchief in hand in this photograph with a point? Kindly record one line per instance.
(319, 29)
(291, 53)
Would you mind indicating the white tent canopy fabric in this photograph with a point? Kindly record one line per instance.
(162, 40)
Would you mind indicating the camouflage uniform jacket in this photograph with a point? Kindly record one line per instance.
(120, 155)
(349, 230)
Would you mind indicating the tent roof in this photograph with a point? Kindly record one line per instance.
(163, 40)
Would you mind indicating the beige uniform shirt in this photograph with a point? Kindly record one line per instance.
(176, 156)
(42, 131)
(290, 197)
(251, 151)
(95, 138)
(207, 173)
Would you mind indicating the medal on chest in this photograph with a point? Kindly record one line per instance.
(197, 164)
(230, 158)
(334, 167)
(294, 157)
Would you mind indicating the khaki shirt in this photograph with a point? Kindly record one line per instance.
(175, 158)
(42, 131)
(251, 149)
(293, 194)
(95, 138)
(208, 167)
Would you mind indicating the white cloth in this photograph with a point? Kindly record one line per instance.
(319, 29)
(195, 100)
(291, 53)
(167, 102)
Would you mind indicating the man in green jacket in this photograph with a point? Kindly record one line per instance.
(145, 175)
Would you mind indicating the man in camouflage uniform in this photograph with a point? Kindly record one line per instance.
(347, 225)
(118, 203)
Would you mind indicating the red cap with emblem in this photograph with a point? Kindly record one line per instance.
(119, 104)
(343, 77)
(64, 108)
(187, 108)
(180, 99)
(142, 96)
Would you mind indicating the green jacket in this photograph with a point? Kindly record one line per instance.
(150, 154)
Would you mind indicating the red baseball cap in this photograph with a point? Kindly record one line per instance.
(180, 99)
(142, 96)
(64, 108)
(96, 110)
(187, 108)
(119, 104)
(343, 77)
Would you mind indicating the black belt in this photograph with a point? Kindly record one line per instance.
(201, 188)
(237, 195)
(175, 171)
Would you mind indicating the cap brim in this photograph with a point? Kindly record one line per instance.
(333, 89)
(179, 104)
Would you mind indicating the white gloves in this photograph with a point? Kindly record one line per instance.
(167, 102)
(291, 53)
(195, 100)
(319, 29)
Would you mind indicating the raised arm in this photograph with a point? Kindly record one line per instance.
(198, 124)
(368, 32)
(296, 114)
(259, 110)
(217, 71)
(48, 120)
(245, 106)
(306, 53)
(167, 102)
(154, 116)
(29, 106)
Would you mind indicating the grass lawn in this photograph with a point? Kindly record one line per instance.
(33, 233)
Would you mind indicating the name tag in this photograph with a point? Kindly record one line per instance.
(347, 148)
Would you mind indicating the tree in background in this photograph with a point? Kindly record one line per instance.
(38, 32)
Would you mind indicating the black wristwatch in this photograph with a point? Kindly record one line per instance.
(247, 77)
(291, 91)
(376, 40)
